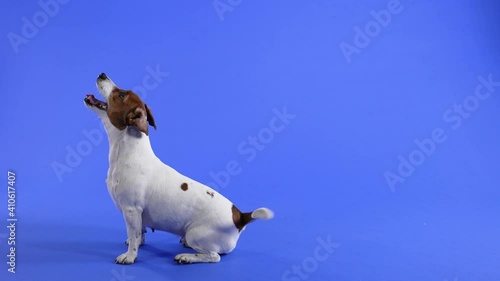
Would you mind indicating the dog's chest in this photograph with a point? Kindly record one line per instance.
(131, 162)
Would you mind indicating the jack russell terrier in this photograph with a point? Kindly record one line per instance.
(153, 195)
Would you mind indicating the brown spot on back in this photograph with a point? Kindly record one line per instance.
(184, 186)
(240, 219)
(211, 193)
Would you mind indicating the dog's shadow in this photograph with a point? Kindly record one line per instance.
(88, 244)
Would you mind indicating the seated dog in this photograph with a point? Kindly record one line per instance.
(152, 195)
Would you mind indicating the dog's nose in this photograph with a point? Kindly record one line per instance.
(102, 76)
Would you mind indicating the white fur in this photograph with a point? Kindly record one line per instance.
(262, 213)
(106, 86)
(149, 195)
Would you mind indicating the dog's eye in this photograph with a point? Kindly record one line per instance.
(121, 95)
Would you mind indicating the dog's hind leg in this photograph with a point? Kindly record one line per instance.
(133, 220)
(198, 257)
(184, 242)
(208, 243)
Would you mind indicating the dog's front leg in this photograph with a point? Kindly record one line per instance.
(143, 239)
(133, 219)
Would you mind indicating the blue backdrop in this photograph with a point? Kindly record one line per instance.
(369, 127)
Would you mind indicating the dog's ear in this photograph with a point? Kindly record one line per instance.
(151, 119)
(138, 118)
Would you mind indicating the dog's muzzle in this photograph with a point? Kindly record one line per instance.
(91, 101)
(105, 85)
(102, 76)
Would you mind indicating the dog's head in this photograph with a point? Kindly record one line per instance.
(122, 107)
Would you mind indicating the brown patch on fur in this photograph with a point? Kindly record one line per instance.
(240, 219)
(125, 108)
(211, 193)
(184, 186)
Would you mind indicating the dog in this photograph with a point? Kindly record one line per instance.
(150, 194)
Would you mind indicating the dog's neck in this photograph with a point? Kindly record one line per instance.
(129, 142)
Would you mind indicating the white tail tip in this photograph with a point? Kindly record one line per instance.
(262, 213)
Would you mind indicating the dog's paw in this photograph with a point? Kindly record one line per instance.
(199, 257)
(126, 258)
(184, 258)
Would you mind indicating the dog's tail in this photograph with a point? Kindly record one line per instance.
(242, 219)
(262, 213)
